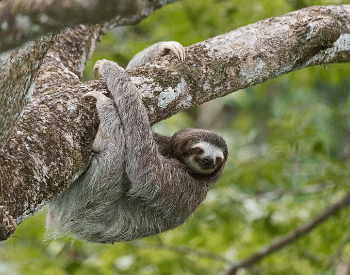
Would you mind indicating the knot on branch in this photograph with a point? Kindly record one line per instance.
(323, 31)
(8, 224)
(314, 35)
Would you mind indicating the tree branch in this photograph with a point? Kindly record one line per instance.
(245, 57)
(59, 77)
(292, 237)
(242, 58)
(22, 21)
(50, 145)
(18, 70)
(19, 67)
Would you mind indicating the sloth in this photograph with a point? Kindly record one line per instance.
(139, 183)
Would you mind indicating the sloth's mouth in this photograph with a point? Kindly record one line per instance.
(206, 163)
(201, 165)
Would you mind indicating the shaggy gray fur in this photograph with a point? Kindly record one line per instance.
(137, 184)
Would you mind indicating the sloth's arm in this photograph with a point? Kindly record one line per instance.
(158, 181)
(152, 52)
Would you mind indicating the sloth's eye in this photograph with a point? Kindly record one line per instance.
(198, 150)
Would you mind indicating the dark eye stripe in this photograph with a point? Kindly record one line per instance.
(198, 151)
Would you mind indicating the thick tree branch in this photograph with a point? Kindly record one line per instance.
(21, 21)
(245, 57)
(19, 67)
(24, 161)
(18, 70)
(242, 58)
(292, 237)
(50, 146)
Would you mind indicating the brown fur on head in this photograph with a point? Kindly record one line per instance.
(203, 152)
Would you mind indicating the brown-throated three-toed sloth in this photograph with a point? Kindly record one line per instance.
(139, 183)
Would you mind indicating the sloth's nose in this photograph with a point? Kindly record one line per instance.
(206, 162)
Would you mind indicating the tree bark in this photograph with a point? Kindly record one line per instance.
(18, 71)
(50, 146)
(245, 57)
(22, 21)
(19, 67)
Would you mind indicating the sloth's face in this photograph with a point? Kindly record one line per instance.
(204, 158)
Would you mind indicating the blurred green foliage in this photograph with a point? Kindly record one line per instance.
(289, 160)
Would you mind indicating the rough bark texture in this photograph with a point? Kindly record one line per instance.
(21, 21)
(53, 135)
(18, 70)
(245, 57)
(50, 145)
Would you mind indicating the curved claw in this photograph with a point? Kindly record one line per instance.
(176, 47)
(96, 95)
(97, 67)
